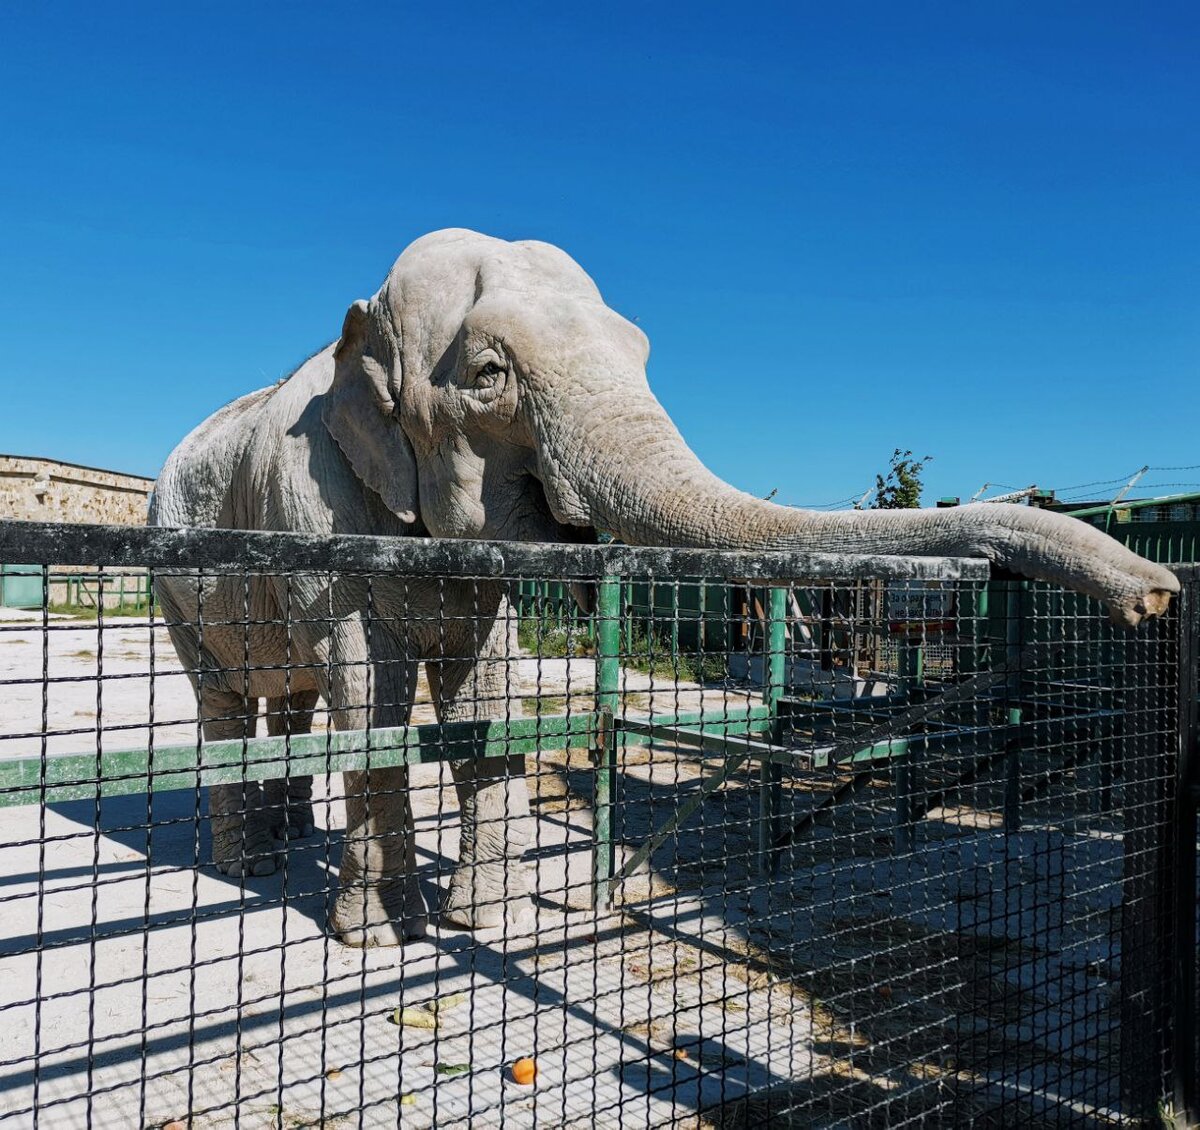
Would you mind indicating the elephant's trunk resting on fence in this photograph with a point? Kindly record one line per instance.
(627, 470)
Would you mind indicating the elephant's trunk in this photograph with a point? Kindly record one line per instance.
(629, 471)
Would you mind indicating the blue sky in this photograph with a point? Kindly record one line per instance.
(970, 230)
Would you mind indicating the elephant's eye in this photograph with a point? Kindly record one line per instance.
(485, 376)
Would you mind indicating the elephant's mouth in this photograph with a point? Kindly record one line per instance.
(549, 528)
(537, 520)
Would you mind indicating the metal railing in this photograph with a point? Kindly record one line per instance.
(910, 860)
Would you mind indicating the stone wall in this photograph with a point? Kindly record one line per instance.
(45, 490)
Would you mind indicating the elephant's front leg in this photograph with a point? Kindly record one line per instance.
(489, 883)
(379, 902)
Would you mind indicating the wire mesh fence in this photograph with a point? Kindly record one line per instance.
(356, 831)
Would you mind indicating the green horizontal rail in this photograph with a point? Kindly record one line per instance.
(717, 737)
(638, 730)
(895, 748)
(84, 776)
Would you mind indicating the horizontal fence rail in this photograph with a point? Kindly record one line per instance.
(586, 835)
(114, 546)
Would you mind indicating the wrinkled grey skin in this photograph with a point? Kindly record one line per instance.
(486, 391)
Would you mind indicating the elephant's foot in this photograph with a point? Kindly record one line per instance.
(484, 895)
(290, 806)
(244, 845)
(379, 914)
(295, 822)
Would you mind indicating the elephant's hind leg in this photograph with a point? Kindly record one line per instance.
(242, 843)
(288, 802)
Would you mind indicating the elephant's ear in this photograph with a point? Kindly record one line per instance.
(359, 411)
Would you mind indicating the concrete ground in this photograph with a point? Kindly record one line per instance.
(138, 987)
(169, 992)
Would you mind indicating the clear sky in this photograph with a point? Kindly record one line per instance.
(970, 230)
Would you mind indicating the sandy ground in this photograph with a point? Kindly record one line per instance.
(140, 987)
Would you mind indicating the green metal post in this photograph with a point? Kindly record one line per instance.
(604, 752)
(776, 647)
(770, 775)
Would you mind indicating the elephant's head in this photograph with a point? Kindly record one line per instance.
(487, 391)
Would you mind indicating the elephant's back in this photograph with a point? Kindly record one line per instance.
(197, 485)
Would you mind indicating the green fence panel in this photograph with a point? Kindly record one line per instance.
(20, 586)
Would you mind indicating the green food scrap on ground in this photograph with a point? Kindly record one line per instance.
(452, 1069)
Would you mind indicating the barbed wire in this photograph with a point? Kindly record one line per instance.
(1098, 483)
(1169, 486)
(1073, 493)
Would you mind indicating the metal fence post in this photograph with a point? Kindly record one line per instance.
(604, 753)
(1013, 640)
(1148, 765)
(770, 774)
(1182, 964)
(912, 672)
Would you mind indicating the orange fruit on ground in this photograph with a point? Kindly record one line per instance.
(524, 1071)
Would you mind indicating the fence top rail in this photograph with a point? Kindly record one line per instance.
(45, 543)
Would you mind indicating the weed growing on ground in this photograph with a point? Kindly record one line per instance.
(91, 612)
(648, 653)
(551, 638)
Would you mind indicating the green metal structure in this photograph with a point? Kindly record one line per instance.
(20, 586)
(1165, 529)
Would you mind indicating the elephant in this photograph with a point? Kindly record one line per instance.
(485, 391)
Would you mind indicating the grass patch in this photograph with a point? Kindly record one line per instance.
(544, 704)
